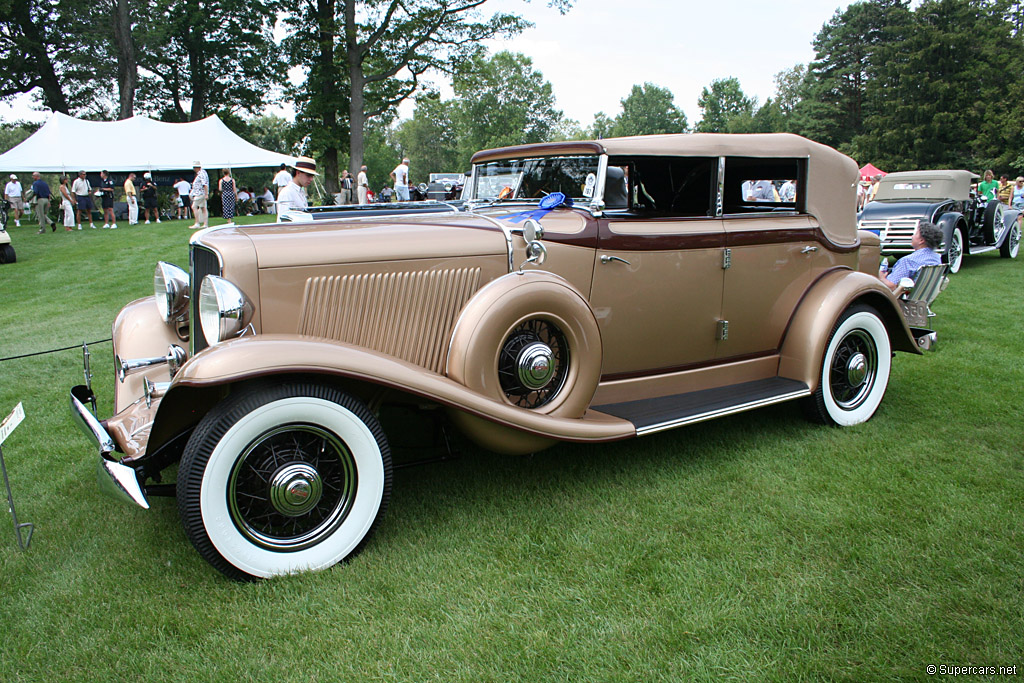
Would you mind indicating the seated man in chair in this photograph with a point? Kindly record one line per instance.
(926, 240)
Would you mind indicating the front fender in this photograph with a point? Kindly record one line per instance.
(947, 223)
(803, 346)
(204, 379)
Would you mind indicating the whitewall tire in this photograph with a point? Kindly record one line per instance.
(283, 479)
(854, 371)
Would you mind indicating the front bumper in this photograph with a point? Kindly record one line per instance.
(115, 479)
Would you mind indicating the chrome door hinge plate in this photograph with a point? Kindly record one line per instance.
(723, 330)
(726, 258)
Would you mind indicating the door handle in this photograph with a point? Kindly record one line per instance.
(605, 258)
(808, 250)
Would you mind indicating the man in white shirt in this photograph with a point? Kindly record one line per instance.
(282, 179)
(14, 194)
(362, 185)
(293, 196)
(401, 177)
(184, 189)
(82, 190)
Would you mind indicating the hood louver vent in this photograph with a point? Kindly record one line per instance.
(409, 315)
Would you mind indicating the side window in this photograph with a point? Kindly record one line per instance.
(754, 185)
(662, 186)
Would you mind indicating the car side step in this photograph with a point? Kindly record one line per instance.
(658, 414)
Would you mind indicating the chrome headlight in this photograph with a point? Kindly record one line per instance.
(224, 310)
(170, 285)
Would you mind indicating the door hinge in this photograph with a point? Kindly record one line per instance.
(726, 258)
(723, 330)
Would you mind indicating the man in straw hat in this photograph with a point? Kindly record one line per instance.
(293, 196)
(200, 195)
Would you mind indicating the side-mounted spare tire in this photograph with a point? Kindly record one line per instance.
(992, 223)
(530, 340)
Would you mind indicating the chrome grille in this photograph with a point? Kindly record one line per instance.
(895, 233)
(202, 262)
(409, 315)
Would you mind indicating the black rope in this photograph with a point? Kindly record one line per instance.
(43, 353)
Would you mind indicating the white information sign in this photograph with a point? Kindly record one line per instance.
(11, 421)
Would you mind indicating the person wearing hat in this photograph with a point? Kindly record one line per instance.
(200, 194)
(13, 192)
(293, 196)
(82, 190)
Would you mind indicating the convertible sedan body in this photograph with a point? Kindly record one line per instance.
(588, 292)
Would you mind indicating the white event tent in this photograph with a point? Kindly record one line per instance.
(67, 145)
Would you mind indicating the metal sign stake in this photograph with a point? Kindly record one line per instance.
(8, 425)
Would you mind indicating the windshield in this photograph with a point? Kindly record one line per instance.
(535, 178)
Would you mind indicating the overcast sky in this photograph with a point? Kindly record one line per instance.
(594, 54)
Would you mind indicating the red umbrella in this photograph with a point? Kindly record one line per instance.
(870, 171)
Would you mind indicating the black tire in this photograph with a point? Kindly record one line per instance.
(992, 223)
(954, 256)
(7, 254)
(1011, 245)
(282, 479)
(855, 369)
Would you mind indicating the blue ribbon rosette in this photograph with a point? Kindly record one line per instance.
(546, 205)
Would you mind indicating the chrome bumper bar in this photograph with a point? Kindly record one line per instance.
(115, 479)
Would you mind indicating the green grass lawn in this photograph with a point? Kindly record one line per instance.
(757, 547)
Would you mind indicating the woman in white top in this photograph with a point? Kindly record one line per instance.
(66, 204)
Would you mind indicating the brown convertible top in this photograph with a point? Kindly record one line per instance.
(831, 176)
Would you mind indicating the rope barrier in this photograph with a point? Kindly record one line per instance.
(43, 353)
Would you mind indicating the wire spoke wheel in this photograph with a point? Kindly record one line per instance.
(853, 369)
(292, 486)
(533, 363)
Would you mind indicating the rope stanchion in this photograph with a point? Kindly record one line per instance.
(66, 348)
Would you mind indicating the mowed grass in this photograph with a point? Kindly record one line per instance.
(756, 547)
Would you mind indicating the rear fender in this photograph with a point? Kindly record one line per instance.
(803, 347)
(210, 375)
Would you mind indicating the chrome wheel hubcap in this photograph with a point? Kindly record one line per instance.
(295, 489)
(856, 369)
(853, 369)
(535, 366)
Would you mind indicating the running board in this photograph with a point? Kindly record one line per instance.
(658, 414)
(975, 250)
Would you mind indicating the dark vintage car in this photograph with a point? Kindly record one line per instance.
(587, 292)
(969, 224)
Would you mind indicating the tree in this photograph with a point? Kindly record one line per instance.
(501, 101)
(601, 127)
(649, 110)
(39, 49)
(721, 103)
(208, 57)
(430, 138)
(371, 54)
(847, 76)
(13, 134)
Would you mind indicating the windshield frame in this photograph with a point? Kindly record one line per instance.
(594, 204)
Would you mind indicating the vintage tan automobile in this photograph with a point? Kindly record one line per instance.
(589, 292)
